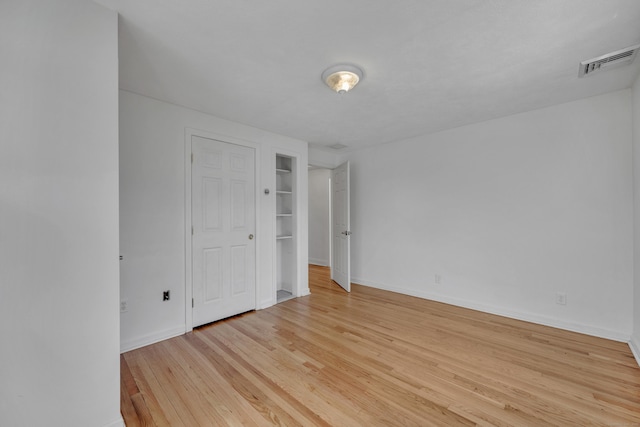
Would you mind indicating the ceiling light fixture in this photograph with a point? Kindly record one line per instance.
(342, 78)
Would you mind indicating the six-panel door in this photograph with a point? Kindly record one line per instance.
(223, 219)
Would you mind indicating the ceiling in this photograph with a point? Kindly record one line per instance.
(428, 65)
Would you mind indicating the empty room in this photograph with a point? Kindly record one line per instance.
(336, 213)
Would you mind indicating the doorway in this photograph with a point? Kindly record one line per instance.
(329, 221)
(319, 216)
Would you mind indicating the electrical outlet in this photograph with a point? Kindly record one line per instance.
(437, 279)
(165, 296)
(561, 298)
(123, 306)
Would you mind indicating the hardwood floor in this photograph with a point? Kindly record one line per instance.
(378, 358)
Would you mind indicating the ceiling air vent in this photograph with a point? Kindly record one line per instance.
(338, 146)
(610, 60)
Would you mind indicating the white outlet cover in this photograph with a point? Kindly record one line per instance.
(561, 298)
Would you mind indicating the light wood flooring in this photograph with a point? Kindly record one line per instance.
(373, 358)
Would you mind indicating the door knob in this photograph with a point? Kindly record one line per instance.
(250, 236)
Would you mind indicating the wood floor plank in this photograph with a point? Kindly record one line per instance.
(134, 407)
(252, 385)
(152, 393)
(280, 362)
(144, 417)
(377, 358)
(127, 396)
(212, 405)
(367, 376)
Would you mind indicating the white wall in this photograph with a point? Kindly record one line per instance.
(152, 212)
(59, 215)
(635, 339)
(319, 217)
(508, 212)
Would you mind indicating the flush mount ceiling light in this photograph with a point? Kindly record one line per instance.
(342, 78)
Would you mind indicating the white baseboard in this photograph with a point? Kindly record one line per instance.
(272, 301)
(266, 303)
(527, 317)
(320, 262)
(634, 345)
(158, 336)
(151, 338)
(304, 292)
(116, 423)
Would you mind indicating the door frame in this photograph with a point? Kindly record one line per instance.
(188, 258)
(301, 227)
(326, 166)
(330, 167)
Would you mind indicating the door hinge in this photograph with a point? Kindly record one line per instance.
(192, 230)
(191, 158)
(192, 303)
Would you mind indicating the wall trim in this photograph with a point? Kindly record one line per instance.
(304, 292)
(634, 345)
(499, 311)
(266, 303)
(318, 261)
(153, 338)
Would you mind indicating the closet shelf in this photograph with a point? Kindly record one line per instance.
(283, 171)
(284, 214)
(284, 237)
(283, 192)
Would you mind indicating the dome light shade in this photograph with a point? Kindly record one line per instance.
(342, 78)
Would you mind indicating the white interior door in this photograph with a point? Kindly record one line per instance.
(341, 227)
(223, 219)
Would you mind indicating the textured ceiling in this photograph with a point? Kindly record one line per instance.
(428, 65)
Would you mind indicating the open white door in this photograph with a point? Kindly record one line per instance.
(341, 227)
